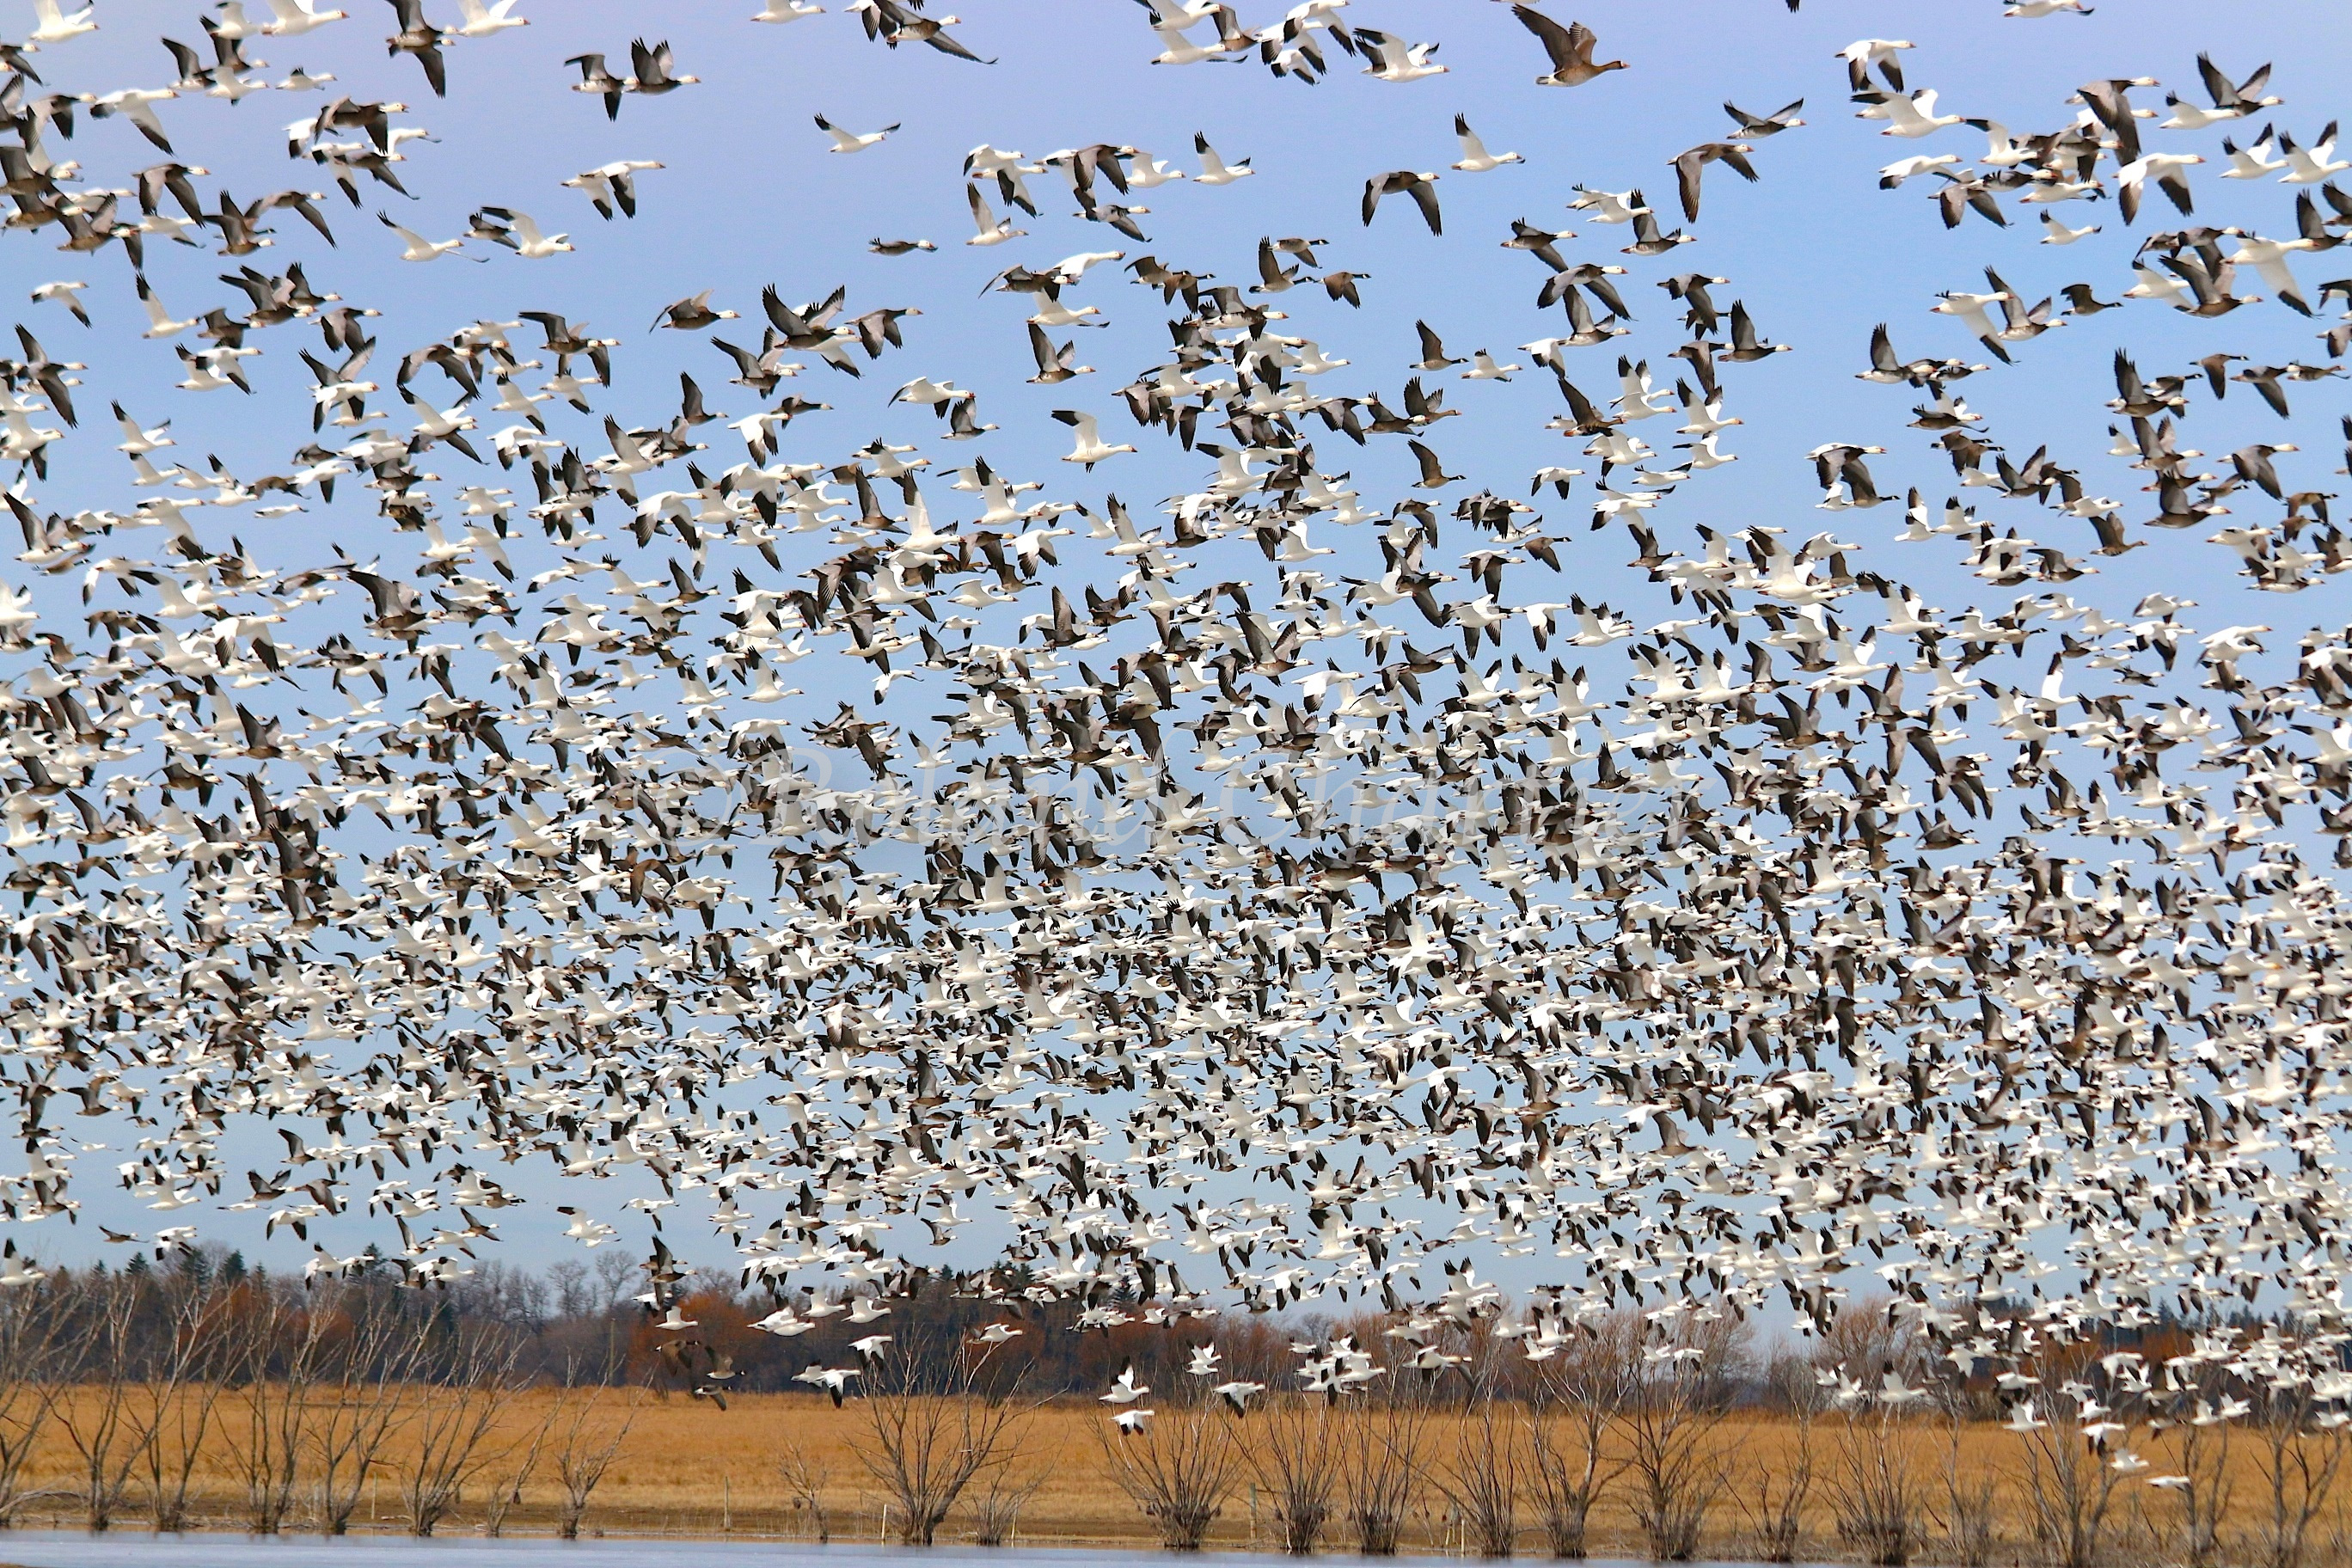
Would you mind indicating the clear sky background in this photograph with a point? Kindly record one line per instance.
(750, 195)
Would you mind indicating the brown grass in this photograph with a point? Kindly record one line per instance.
(689, 1469)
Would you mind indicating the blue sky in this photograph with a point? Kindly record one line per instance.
(1818, 252)
(748, 195)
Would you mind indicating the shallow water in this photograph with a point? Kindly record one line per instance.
(125, 1549)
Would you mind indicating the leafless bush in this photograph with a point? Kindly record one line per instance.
(1481, 1477)
(34, 1349)
(1383, 1460)
(2201, 1486)
(1971, 1529)
(804, 1479)
(1180, 1468)
(585, 1449)
(1671, 1413)
(1298, 1459)
(276, 1353)
(1775, 1503)
(1579, 1391)
(1874, 1493)
(466, 1378)
(521, 1459)
(101, 1422)
(182, 1382)
(2298, 1463)
(996, 1508)
(359, 1405)
(2068, 1486)
(933, 1425)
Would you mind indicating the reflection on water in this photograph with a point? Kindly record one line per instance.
(123, 1549)
(128, 1548)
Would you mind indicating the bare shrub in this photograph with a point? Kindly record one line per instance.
(2068, 1486)
(1179, 1467)
(101, 1422)
(36, 1331)
(521, 1459)
(179, 1389)
(1383, 1467)
(1298, 1459)
(463, 1382)
(1481, 1477)
(586, 1448)
(1775, 1503)
(804, 1479)
(1671, 1413)
(1874, 1492)
(2298, 1463)
(996, 1506)
(1972, 1527)
(2199, 1488)
(276, 1353)
(1580, 1391)
(934, 1423)
(359, 1405)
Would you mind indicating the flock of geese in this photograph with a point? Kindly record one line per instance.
(1268, 892)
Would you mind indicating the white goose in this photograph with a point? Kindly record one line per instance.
(1214, 170)
(481, 21)
(850, 141)
(419, 247)
(1091, 448)
(1476, 159)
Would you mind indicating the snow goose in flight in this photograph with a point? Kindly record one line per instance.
(421, 38)
(2309, 167)
(1756, 127)
(162, 326)
(291, 18)
(66, 294)
(1911, 117)
(653, 67)
(520, 234)
(1126, 1391)
(595, 78)
(482, 20)
(787, 11)
(419, 247)
(1145, 171)
(1690, 165)
(613, 184)
(1214, 170)
(1392, 59)
(1608, 207)
(1865, 53)
(850, 141)
(1091, 448)
(992, 230)
(53, 26)
(1476, 159)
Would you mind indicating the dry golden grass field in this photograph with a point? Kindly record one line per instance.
(686, 1468)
